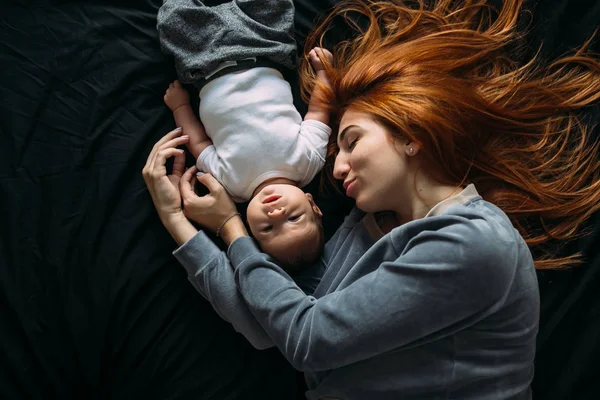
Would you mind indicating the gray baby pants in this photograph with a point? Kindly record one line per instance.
(201, 37)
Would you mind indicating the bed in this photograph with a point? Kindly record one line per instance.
(92, 303)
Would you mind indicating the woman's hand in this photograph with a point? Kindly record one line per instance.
(163, 188)
(212, 211)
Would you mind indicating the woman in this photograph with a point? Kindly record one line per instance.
(455, 156)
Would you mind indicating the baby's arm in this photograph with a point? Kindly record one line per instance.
(316, 110)
(178, 100)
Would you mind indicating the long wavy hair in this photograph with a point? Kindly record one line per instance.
(445, 76)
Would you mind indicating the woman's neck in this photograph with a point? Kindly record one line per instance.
(426, 196)
(273, 181)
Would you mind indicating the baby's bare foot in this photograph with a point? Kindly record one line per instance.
(316, 57)
(176, 96)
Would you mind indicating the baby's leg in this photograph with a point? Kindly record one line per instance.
(244, 28)
(178, 100)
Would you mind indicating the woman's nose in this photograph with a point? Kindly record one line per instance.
(340, 168)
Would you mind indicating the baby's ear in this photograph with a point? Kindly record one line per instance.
(314, 206)
(318, 212)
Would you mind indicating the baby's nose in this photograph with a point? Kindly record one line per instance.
(277, 212)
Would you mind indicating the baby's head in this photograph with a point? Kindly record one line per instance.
(286, 223)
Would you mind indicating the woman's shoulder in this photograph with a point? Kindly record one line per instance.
(488, 218)
(480, 218)
(477, 232)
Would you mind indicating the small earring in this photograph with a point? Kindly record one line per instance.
(411, 150)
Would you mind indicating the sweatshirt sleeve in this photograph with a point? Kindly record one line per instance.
(440, 281)
(210, 272)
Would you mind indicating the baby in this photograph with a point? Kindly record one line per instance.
(253, 140)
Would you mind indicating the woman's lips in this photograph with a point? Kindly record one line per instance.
(271, 199)
(350, 187)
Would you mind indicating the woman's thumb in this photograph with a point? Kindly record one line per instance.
(209, 181)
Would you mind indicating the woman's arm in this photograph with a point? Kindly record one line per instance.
(445, 279)
(165, 193)
(210, 272)
(209, 269)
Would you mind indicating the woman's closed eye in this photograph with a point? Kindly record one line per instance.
(293, 218)
(352, 143)
(267, 229)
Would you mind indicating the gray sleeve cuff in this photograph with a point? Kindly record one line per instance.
(241, 249)
(196, 252)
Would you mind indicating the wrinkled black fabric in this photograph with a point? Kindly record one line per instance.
(92, 304)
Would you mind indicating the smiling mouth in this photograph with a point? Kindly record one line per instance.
(271, 199)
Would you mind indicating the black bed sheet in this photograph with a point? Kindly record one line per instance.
(92, 304)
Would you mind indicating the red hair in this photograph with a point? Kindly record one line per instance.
(442, 76)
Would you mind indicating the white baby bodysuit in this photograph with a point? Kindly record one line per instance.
(257, 132)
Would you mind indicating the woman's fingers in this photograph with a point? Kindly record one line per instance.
(186, 182)
(159, 169)
(169, 136)
(189, 174)
(178, 141)
(179, 164)
(210, 182)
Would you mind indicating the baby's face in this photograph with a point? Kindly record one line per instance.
(282, 219)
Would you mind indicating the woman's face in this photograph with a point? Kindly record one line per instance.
(371, 163)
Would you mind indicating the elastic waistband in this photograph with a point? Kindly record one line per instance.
(235, 66)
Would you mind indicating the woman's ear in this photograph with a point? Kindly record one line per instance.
(406, 146)
(412, 148)
(314, 206)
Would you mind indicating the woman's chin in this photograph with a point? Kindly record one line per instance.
(365, 205)
(371, 204)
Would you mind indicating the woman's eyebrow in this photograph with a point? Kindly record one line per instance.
(344, 131)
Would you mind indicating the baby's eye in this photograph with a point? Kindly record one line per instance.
(268, 228)
(352, 144)
(293, 218)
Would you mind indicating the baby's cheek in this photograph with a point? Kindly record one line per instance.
(262, 247)
(253, 230)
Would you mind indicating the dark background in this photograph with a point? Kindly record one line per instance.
(92, 304)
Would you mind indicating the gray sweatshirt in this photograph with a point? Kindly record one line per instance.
(443, 307)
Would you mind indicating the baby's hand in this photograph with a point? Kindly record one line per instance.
(176, 96)
(315, 61)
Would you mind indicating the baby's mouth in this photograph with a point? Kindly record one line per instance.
(271, 199)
